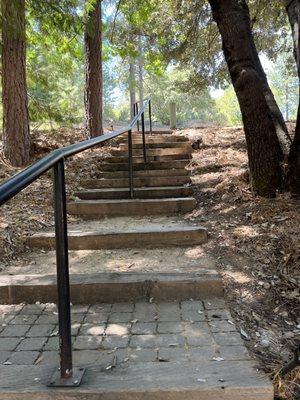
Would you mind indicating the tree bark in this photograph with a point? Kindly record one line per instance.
(293, 11)
(265, 152)
(141, 70)
(16, 137)
(93, 72)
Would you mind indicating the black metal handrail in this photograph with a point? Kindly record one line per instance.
(18, 182)
(66, 375)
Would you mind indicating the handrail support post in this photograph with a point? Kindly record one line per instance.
(130, 164)
(137, 111)
(66, 375)
(150, 118)
(143, 135)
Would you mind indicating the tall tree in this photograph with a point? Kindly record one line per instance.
(260, 113)
(293, 11)
(132, 86)
(141, 71)
(16, 137)
(93, 69)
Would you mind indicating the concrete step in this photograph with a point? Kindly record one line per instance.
(105, 208)
(139, 193)
(150, 159)
(178, 259)
(157, 145)
(143, 173)
(124, 233)
(153, 152)
(139, 380)
(109, 288)
(150, 181)
(109, 167)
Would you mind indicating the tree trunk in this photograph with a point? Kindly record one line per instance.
(16, 137)
(279, 123)
(293, 11)
(264, 150)
(132, 87)
(93, 72)
(141, 70)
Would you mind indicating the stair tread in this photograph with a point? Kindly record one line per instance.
(126, 225)
(190, 259)
(143, 173)
(123, 166)
(147, 181)
(139, 189)
(117, 201)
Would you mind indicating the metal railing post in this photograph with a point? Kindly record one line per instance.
(150, 118)
(66, 375)
(130, 164)
(137, 111)
(143, 134)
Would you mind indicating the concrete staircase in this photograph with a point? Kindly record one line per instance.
(149, 318)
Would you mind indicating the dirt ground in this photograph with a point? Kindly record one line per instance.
(255, 240)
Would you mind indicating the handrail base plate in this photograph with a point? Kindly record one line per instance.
(74, 381)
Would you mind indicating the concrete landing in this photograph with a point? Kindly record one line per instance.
(159, 350)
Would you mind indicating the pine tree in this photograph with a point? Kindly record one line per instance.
(16, 138)
(93, 71)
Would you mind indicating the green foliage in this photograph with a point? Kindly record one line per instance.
(182, 57)
(55, 62)
(228, 107)
(284, 83)
(183, 32)
(54, 71)
(166, 88)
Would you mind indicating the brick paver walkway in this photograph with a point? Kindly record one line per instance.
(111, 334)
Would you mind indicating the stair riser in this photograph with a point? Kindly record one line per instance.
(137, 138)
(126, 240)
(91, 211)
(99, 195)
(140, 159)
(149, 145)
(98, 289)
(155, 173)
(152, 152)
(138, 182)
(158, 165)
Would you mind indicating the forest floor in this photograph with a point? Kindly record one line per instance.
(254, 240)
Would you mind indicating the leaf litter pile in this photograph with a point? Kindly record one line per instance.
(255, 240)
(257, 245)
(32, 209)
